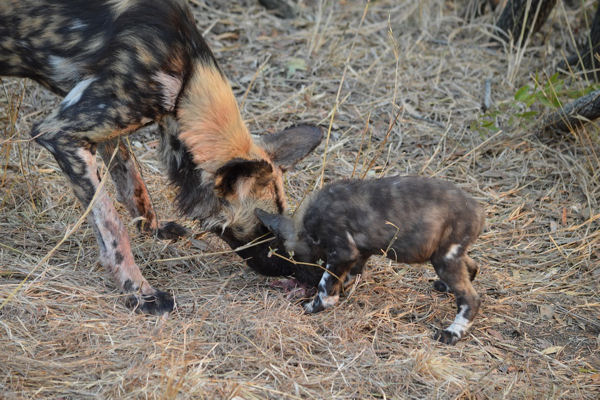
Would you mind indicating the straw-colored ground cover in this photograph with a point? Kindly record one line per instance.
(65, 333)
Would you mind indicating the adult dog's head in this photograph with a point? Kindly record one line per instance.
(243, 185)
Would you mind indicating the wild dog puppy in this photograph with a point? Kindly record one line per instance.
(407, 218)
(122, 64)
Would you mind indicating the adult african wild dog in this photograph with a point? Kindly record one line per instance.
(409, 219)
(122, 64)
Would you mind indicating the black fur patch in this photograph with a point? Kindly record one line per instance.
(228, 175)
(156, 304)
(128, 286)
(195, 197)
(171, 231)
(257, 257)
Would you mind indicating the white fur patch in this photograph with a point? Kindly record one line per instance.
(75, 94)
(308, 307)
(323, 281)
(350, 239)
(322, 297)
(63, 70)
(329, 301)
(326, 300)
(171, 86)
(460, 324)
(453, 252)
(77, 24)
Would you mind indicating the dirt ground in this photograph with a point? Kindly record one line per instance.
(64, 329)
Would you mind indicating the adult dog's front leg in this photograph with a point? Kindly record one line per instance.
(70, 135)
(132, 191)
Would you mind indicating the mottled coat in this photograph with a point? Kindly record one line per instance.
(120, 65)
(406, 218)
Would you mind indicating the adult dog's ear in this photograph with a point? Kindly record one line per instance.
(239, 176)
(290, 145)
(280, 225)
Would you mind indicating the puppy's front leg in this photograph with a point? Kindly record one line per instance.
(327, 293)
(342, 256)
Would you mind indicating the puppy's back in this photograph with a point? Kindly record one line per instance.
(374, 211)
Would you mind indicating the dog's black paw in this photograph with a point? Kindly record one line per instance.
(446, 337)
(313, 306)
(158, 303)
(171, 231)
(441, 286)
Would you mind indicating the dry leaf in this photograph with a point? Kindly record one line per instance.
(199, 244)
(547, 311)
(495, 333)
(552, 349)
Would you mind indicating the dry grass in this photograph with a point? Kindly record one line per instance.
(64, 332)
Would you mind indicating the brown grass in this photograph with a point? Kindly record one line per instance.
(64, 332)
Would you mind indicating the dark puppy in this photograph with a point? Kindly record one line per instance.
(409, 219)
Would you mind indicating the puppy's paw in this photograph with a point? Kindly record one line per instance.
(446, 337)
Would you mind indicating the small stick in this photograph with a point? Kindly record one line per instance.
(487, 95)
(337, 97)
(574, 114)
(380, 149)
(362, 141)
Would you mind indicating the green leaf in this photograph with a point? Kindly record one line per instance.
(546, 102)
(295, 64)
(530, 101)
(522, 94)
(527, 114)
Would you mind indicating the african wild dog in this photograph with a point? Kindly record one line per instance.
(122, 64)
(408, 219)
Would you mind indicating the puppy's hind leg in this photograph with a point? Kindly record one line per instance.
(132, 191)
(455, 273)
(472, 266)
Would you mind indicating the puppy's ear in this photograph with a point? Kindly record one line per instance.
(232, 175)
(280, 225)
(290, 145)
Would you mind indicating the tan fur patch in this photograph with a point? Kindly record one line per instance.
(171, 85)
(211, 125)
(120, 6)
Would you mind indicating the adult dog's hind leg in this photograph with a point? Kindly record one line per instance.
(67, 136)
(132, 191)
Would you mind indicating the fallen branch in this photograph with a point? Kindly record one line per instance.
(584, 109)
